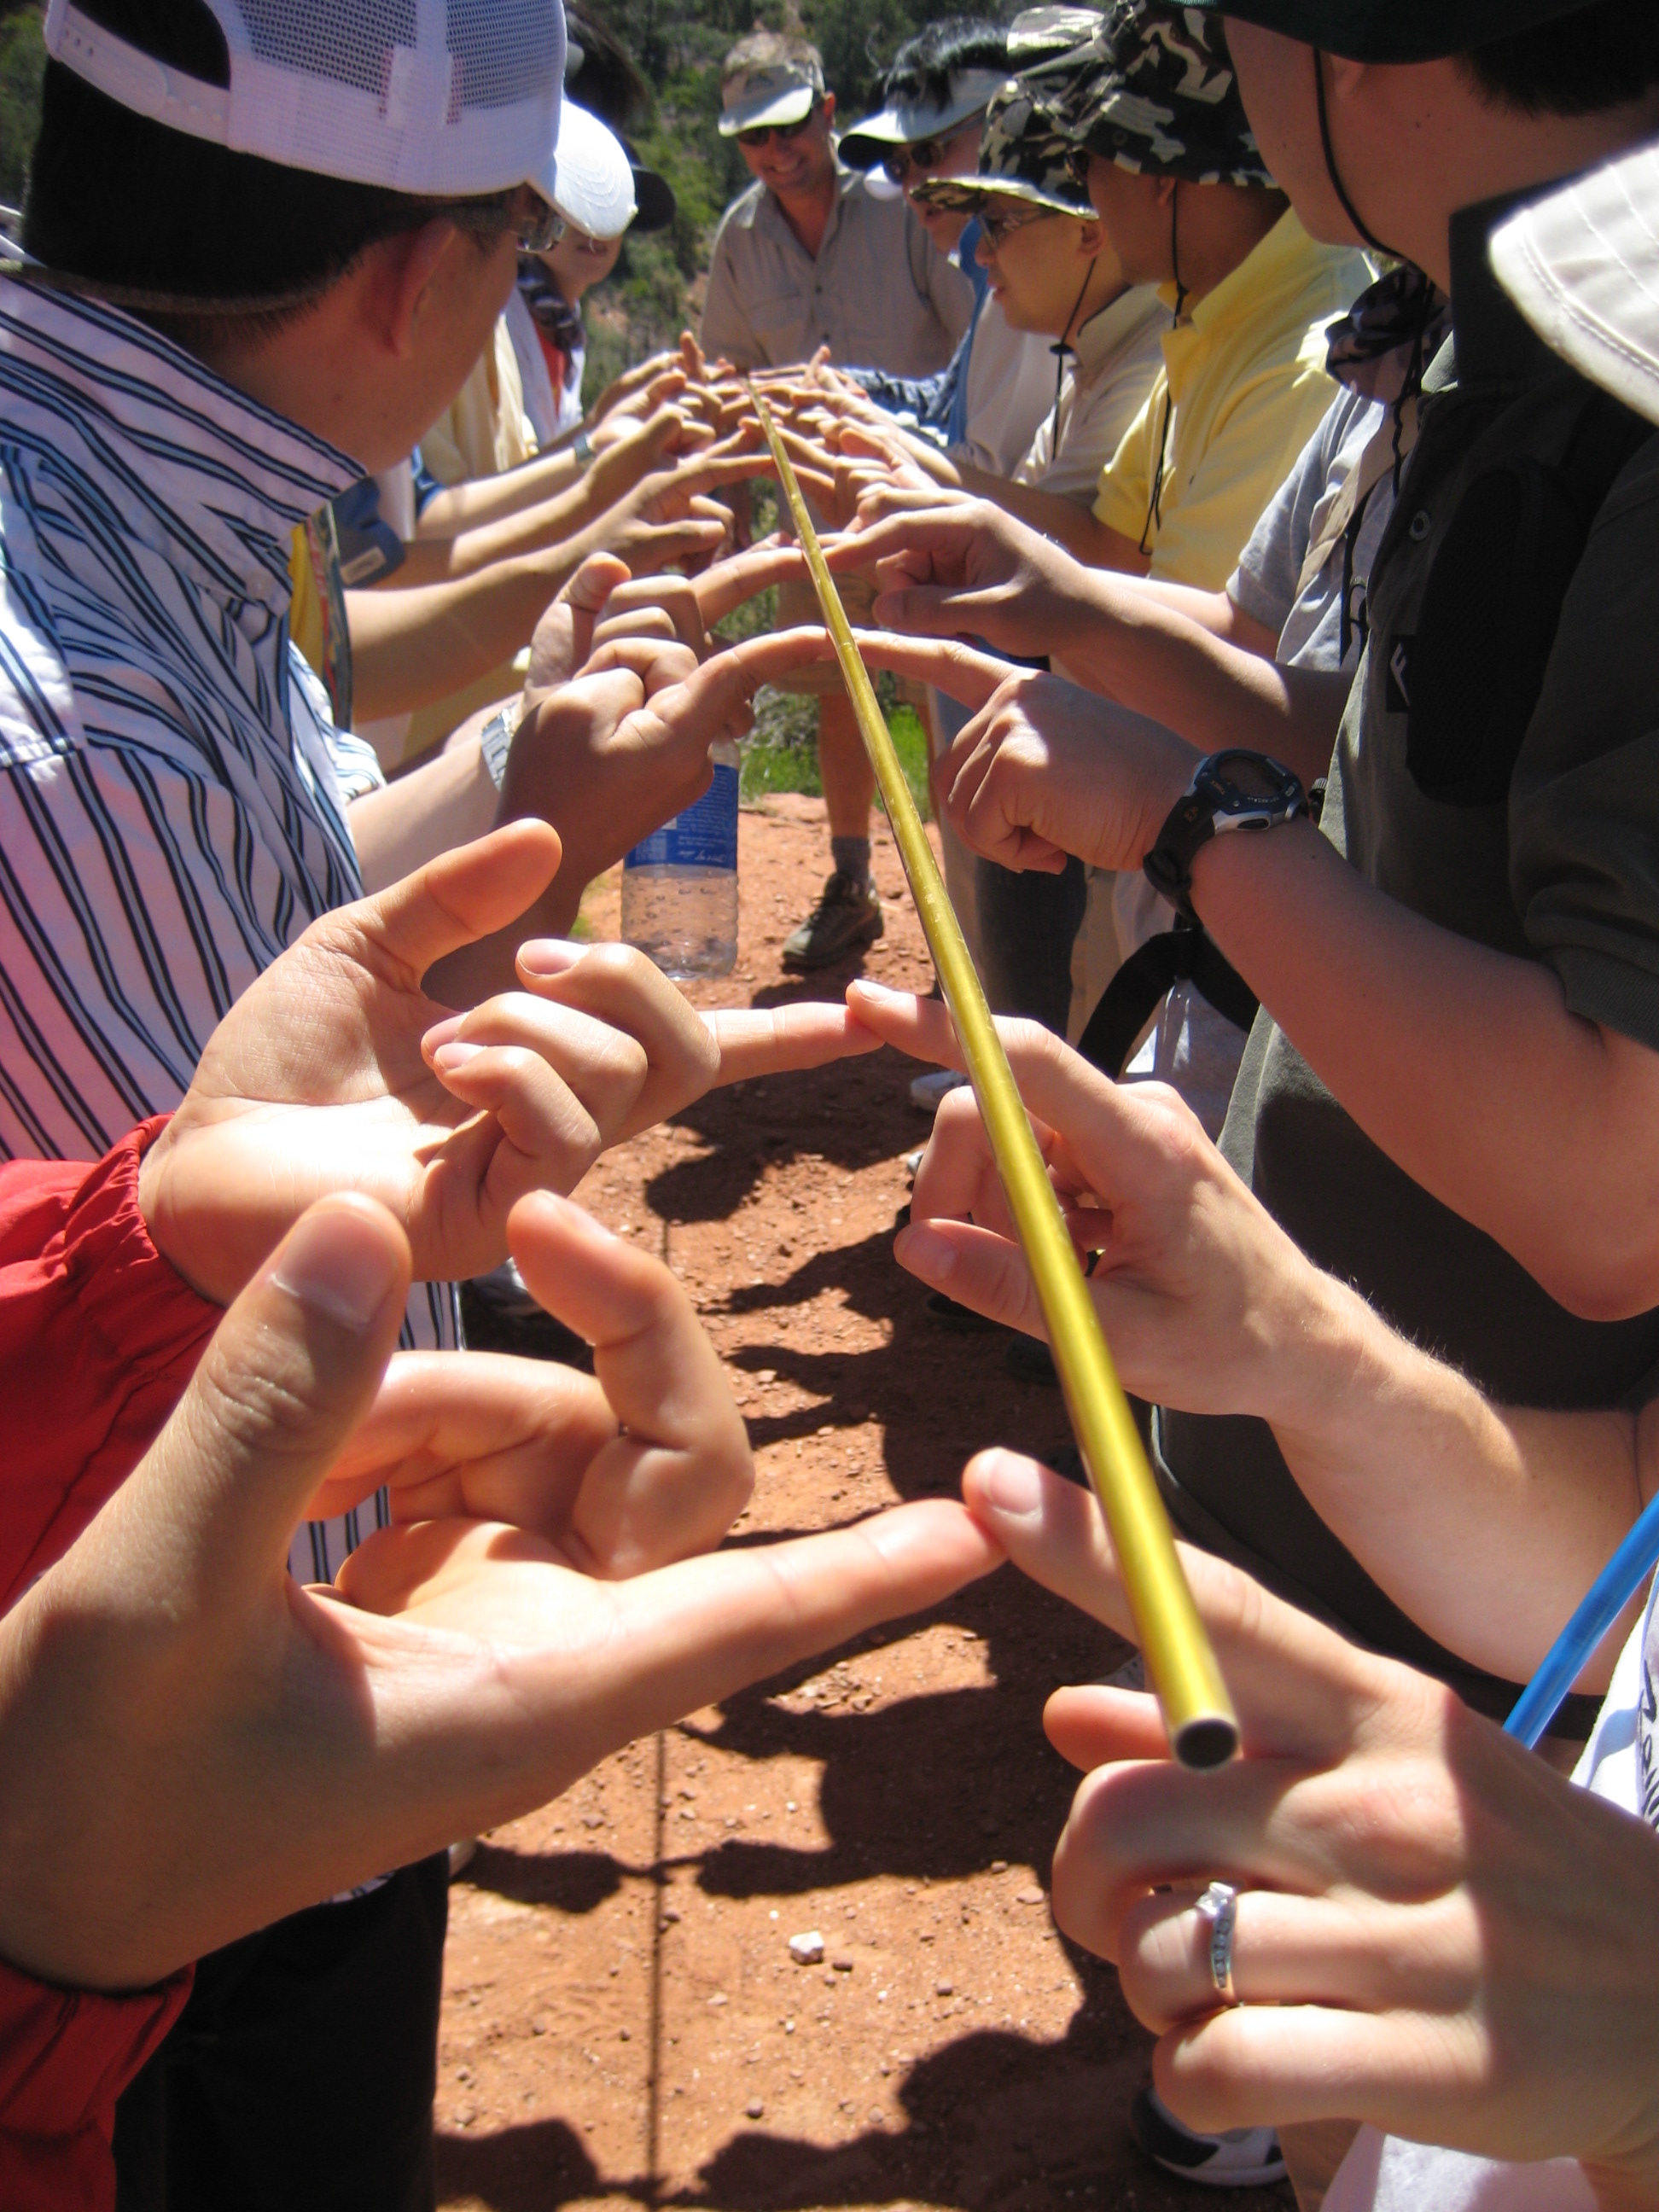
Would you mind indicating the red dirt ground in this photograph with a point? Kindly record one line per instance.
(622, 2022)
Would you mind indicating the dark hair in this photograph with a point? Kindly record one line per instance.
(599, 71)
(920, 73)
(151, 217)
(1605, 56)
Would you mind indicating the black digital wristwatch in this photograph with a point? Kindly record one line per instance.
(1233, 790)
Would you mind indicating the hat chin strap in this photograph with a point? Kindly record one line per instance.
(1335, 174)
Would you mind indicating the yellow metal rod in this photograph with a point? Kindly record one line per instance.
(1197, 1711)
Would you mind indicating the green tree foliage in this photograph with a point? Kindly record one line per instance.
(22, 63)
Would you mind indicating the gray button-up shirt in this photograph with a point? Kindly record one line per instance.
(878, 295)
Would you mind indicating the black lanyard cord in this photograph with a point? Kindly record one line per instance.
(1335, 174)
(1155, 506)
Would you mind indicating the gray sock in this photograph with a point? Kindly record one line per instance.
(852, 858)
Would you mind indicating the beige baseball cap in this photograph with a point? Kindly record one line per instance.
(776, 92)
(1582, 266)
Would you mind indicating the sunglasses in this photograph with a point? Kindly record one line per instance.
(996, 227)
(925, 154)
(764, 133)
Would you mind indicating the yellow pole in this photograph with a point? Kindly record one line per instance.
(1197, 1711)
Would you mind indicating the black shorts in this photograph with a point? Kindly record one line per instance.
(300, 2076)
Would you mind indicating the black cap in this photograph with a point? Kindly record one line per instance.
(1395, 30)
(654, 204)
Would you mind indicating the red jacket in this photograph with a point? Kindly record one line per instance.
(99, 1335)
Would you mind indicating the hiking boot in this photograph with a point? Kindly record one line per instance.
(847, 916)
(1243, 2158)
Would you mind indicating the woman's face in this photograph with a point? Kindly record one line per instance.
(578, 262)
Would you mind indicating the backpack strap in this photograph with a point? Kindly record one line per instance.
(1184, 954)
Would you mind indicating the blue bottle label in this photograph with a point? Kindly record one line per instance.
(705, 835)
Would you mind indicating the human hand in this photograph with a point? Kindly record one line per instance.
(688, 607)
(1043, 769)
(1207, 1305)
(319, 1079)
(644, 1461)
(563, 638)
(636, 390)
(950, 567)
(191, 1746)
(614, 1008)
(612, 754)
(632, 451)
(1435, 1933)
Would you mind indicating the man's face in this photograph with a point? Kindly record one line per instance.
(793, 162)
(1133, 212)
(954, 156)
(1276, 84)
(1033, 258)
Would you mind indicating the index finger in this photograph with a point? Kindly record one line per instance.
(772, 1041)
(1301, 1691)
(972, 680)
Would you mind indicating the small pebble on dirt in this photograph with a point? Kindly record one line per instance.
(624, 2035)
(943, 1989)
(1027, 1897)
(842, 1966)
(806, 1949)
(754, 2108)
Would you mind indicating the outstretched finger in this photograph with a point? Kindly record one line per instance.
(727, 681)
(971, 678)
(760, 1041)
(729, 584)
(1298, 1686)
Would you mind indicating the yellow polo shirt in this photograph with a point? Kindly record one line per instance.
(1245, 372)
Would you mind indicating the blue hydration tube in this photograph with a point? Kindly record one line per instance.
(1609, 1594)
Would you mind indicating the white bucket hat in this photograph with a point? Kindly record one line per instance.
(469, 108)
(1582, 266)
(589, 179)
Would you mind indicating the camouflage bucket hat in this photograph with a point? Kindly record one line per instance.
(1025, 154)
(1157, 96)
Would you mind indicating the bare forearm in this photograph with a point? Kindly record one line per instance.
(492, 499)
(1141, 651)
(1060, 520)
(412, 647)
(1485, 1525)
(1463, 1064)
(448, 800)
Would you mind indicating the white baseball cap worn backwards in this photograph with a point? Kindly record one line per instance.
(460, 100)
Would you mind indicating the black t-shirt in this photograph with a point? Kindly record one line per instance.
(1563, 868)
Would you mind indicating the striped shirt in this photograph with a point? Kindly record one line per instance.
(172, 790)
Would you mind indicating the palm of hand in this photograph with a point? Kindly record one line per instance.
(315, 1082)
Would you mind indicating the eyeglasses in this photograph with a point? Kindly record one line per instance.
(996, 227)
(523, 211)
(926, 154)
(764, 133)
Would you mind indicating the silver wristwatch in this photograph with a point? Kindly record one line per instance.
(496, 742)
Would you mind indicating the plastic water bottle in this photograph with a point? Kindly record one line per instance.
(679, 901)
